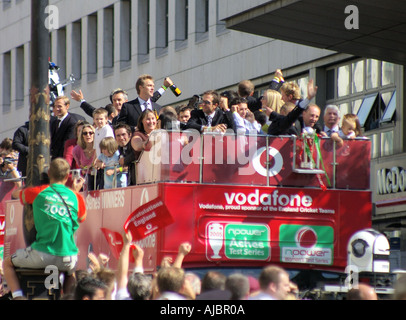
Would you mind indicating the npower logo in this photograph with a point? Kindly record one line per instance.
(306, 244)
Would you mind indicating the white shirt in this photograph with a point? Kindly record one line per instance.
(261, 296)
(142, 104)
(330, 131)
(99, 134)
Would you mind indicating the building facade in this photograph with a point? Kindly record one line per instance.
(213, 44)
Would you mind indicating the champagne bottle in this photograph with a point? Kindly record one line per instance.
(176, 91)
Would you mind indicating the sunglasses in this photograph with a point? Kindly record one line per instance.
(87, 133)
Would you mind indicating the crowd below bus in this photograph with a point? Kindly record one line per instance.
(105, 150)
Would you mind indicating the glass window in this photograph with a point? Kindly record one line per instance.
(358, 76)
(372, 74)
(77, 49)
(356, 104)
(374, 145)
(330, 79)
(302, 82)
(343, 81)
(162, 27)
(125, 33)
(387, 143)
(366, 108)
(6, 82)
(344, 108)
(388, 73)
(143, 29)
(19, 77)
(92, 40)
(390, 109)
(181, 25)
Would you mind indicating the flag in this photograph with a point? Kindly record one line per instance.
(147, 219)
(115, 241)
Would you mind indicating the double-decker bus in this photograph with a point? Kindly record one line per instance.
(243, 202)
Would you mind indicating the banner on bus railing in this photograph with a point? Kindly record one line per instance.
(255, 160)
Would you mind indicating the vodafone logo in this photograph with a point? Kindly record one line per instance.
(306, 237)
(258, 164)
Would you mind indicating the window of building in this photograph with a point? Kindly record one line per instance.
(220, 25)
(390, 109)
(143, 31)
(181, 23)
(61, 52)
(19, 77)
(366, 87)
(77, 49)
(202, 20)
(92, 63)
(6, 82)
(162, 20)
(108, 40)
(125, 34)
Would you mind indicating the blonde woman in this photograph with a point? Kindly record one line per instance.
(271, 101)
(84, 152)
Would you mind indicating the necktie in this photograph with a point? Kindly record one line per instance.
(209, 120)
(58, 122)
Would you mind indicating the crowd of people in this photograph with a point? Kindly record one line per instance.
(279, 111)
(104, 151)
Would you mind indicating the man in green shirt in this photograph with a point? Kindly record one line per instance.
(57, 212)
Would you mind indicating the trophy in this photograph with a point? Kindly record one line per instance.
(215, 234)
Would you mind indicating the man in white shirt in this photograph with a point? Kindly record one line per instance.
(331, 119)
(274, 283)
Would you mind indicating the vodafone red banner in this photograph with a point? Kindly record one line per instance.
(147, 219)
(115, 241)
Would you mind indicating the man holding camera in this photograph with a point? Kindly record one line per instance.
(8, 170)
(57, 212)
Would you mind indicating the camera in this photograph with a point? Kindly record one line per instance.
(75, 174)
(194, 101)
(9, 160)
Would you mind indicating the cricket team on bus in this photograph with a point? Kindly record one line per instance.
(104, 152)
(280, 110)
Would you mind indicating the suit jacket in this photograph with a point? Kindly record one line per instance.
(299, 125)
(283, 125)
(64, 132)
(129, 157)
(20, 143)
(198, 119)
(131, 111)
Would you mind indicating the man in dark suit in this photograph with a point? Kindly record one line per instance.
(118, 97)
(131, 110)
(122, 132)
(62, 126)
(308, 121)
(210, 117)
(20, 144)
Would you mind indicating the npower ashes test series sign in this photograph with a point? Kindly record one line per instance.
(306, 244)
(237, 241)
